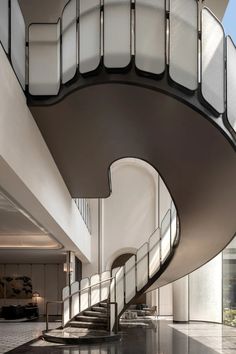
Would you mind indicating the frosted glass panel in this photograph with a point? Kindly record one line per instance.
(18, 42)
(150, 35)
(66, 308)
(205, 292)
(113, 298)
(183, 59)
(69, 41)
(231, 83)
(212, 62)
(117, 33)
(75, 299)
(142, 266)
(173, 223)
(95, 290)
(130, 277)
(44, 59)
(84, 295)
(89, 35)
(154, 253)
(105, 286)
(4, 24)
(165, 236)
(120, 289)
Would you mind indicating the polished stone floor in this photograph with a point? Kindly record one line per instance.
(163, 337)
(13, 335)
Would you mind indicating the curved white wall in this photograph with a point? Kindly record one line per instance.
(130, 212)
(180, 300)
(205, 292)
(129, 216)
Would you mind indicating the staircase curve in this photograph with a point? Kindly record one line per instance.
(149, 79)
(92, 307)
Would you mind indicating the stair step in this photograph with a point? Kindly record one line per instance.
(95, 314)
(82, 318)
(90, 325)
(103, 304)
(99, 309)
(76, 336)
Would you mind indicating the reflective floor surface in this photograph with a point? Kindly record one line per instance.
(162, 337)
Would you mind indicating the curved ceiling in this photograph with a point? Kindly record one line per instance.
(95, 126)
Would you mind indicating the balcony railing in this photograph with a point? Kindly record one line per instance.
(84, 210)
(174, 36)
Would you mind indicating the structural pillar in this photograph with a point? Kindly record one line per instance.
(180, 300)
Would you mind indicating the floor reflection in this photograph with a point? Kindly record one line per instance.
(160, 338)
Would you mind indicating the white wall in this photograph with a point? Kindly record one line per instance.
(129, 215)
(181, 300)
(166, 300)
(130, 211)
(29, 174)
(205, 292)
(47, 279)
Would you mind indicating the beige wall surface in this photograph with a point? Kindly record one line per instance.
(47, 279)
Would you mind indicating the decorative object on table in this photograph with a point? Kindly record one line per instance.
(35, 297)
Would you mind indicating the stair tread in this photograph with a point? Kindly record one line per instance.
(91, 319)
(78, 323)
(95, 314)
(99, 309)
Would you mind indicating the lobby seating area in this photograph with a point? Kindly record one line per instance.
(19, 312)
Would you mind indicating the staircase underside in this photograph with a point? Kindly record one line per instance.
(101, 119)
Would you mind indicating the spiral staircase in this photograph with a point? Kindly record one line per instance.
(92, 307)
(150, 79)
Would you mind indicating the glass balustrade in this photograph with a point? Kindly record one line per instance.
(190, 41)
(123, 284)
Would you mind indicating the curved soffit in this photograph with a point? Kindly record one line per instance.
(93, 127)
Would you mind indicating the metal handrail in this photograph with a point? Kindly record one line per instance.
(69, 297)
(87, 287)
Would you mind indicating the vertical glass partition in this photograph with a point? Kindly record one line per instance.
(150, 29)
(212, 61)
(183, 56)
(165, 236)
(69, 41)
(89, 35)
(4, 24)
(44, 59)
(117, 33)
(231, 83)
(18, 42)
(229, 284)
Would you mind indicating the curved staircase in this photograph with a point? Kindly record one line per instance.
(92, 307)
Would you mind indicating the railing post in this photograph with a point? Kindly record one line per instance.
(47, 317)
